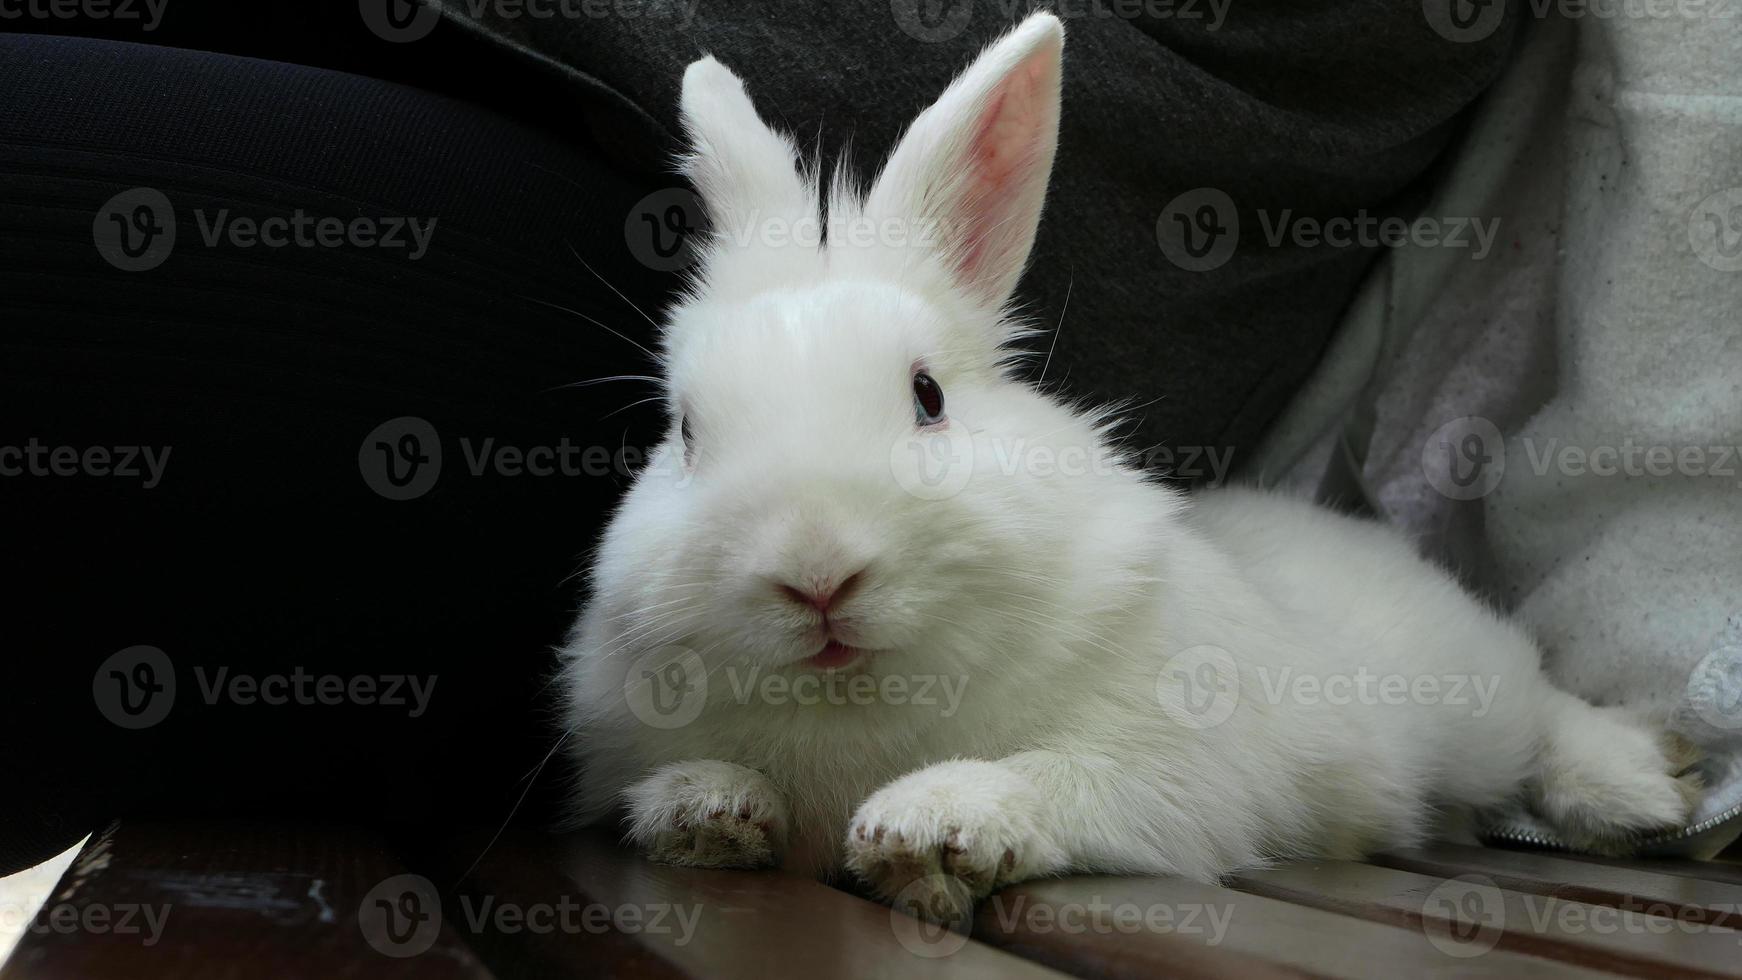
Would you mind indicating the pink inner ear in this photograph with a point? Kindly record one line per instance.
(1000, 162)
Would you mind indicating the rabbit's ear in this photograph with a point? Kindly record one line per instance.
(973, 168)
(747, 174)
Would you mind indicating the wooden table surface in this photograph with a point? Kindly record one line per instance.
(209, 900)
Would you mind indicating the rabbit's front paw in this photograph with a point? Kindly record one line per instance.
(707, 814)
(936, 841)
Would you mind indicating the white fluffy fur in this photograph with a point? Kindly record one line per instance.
(1055, 599)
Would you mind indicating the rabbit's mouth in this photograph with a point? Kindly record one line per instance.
(834, 655)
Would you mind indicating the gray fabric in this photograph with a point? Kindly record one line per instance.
(1316, 110)
(1612, 155)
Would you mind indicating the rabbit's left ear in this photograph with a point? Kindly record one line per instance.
(973, 168)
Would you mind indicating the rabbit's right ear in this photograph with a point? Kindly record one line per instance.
(974, 166)
(746, 173)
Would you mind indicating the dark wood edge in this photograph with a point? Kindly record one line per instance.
(1284, 936)
(294, 901)
(745, 923)
(1634, 888)
(1394, 897)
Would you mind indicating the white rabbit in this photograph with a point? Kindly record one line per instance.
(876, 605)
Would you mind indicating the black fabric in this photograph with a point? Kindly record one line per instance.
(263, 370)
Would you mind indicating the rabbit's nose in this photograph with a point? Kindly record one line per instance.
(819, 594)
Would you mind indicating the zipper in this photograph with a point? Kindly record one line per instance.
(1513, 834)
(1524, 835)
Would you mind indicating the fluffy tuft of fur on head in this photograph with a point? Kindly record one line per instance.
(952, 213)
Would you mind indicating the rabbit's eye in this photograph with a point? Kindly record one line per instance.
(928, 399)
(689, 441)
